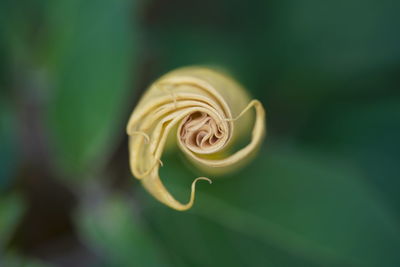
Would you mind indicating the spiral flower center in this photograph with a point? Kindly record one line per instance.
(200, 132)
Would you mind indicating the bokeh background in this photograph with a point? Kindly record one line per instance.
(323, 191)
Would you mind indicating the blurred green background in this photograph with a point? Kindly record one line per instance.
(324, 190)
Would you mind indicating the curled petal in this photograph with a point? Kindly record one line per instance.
(207, 111)
(155, 187)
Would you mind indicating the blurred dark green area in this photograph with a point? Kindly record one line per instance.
(324, 190)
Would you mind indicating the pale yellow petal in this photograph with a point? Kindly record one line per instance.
(207, 112)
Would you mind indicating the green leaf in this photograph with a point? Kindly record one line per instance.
(16, 260)
(91, 58)
(11, 208)
(112, 228)
(290, 207)
(367, 135)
